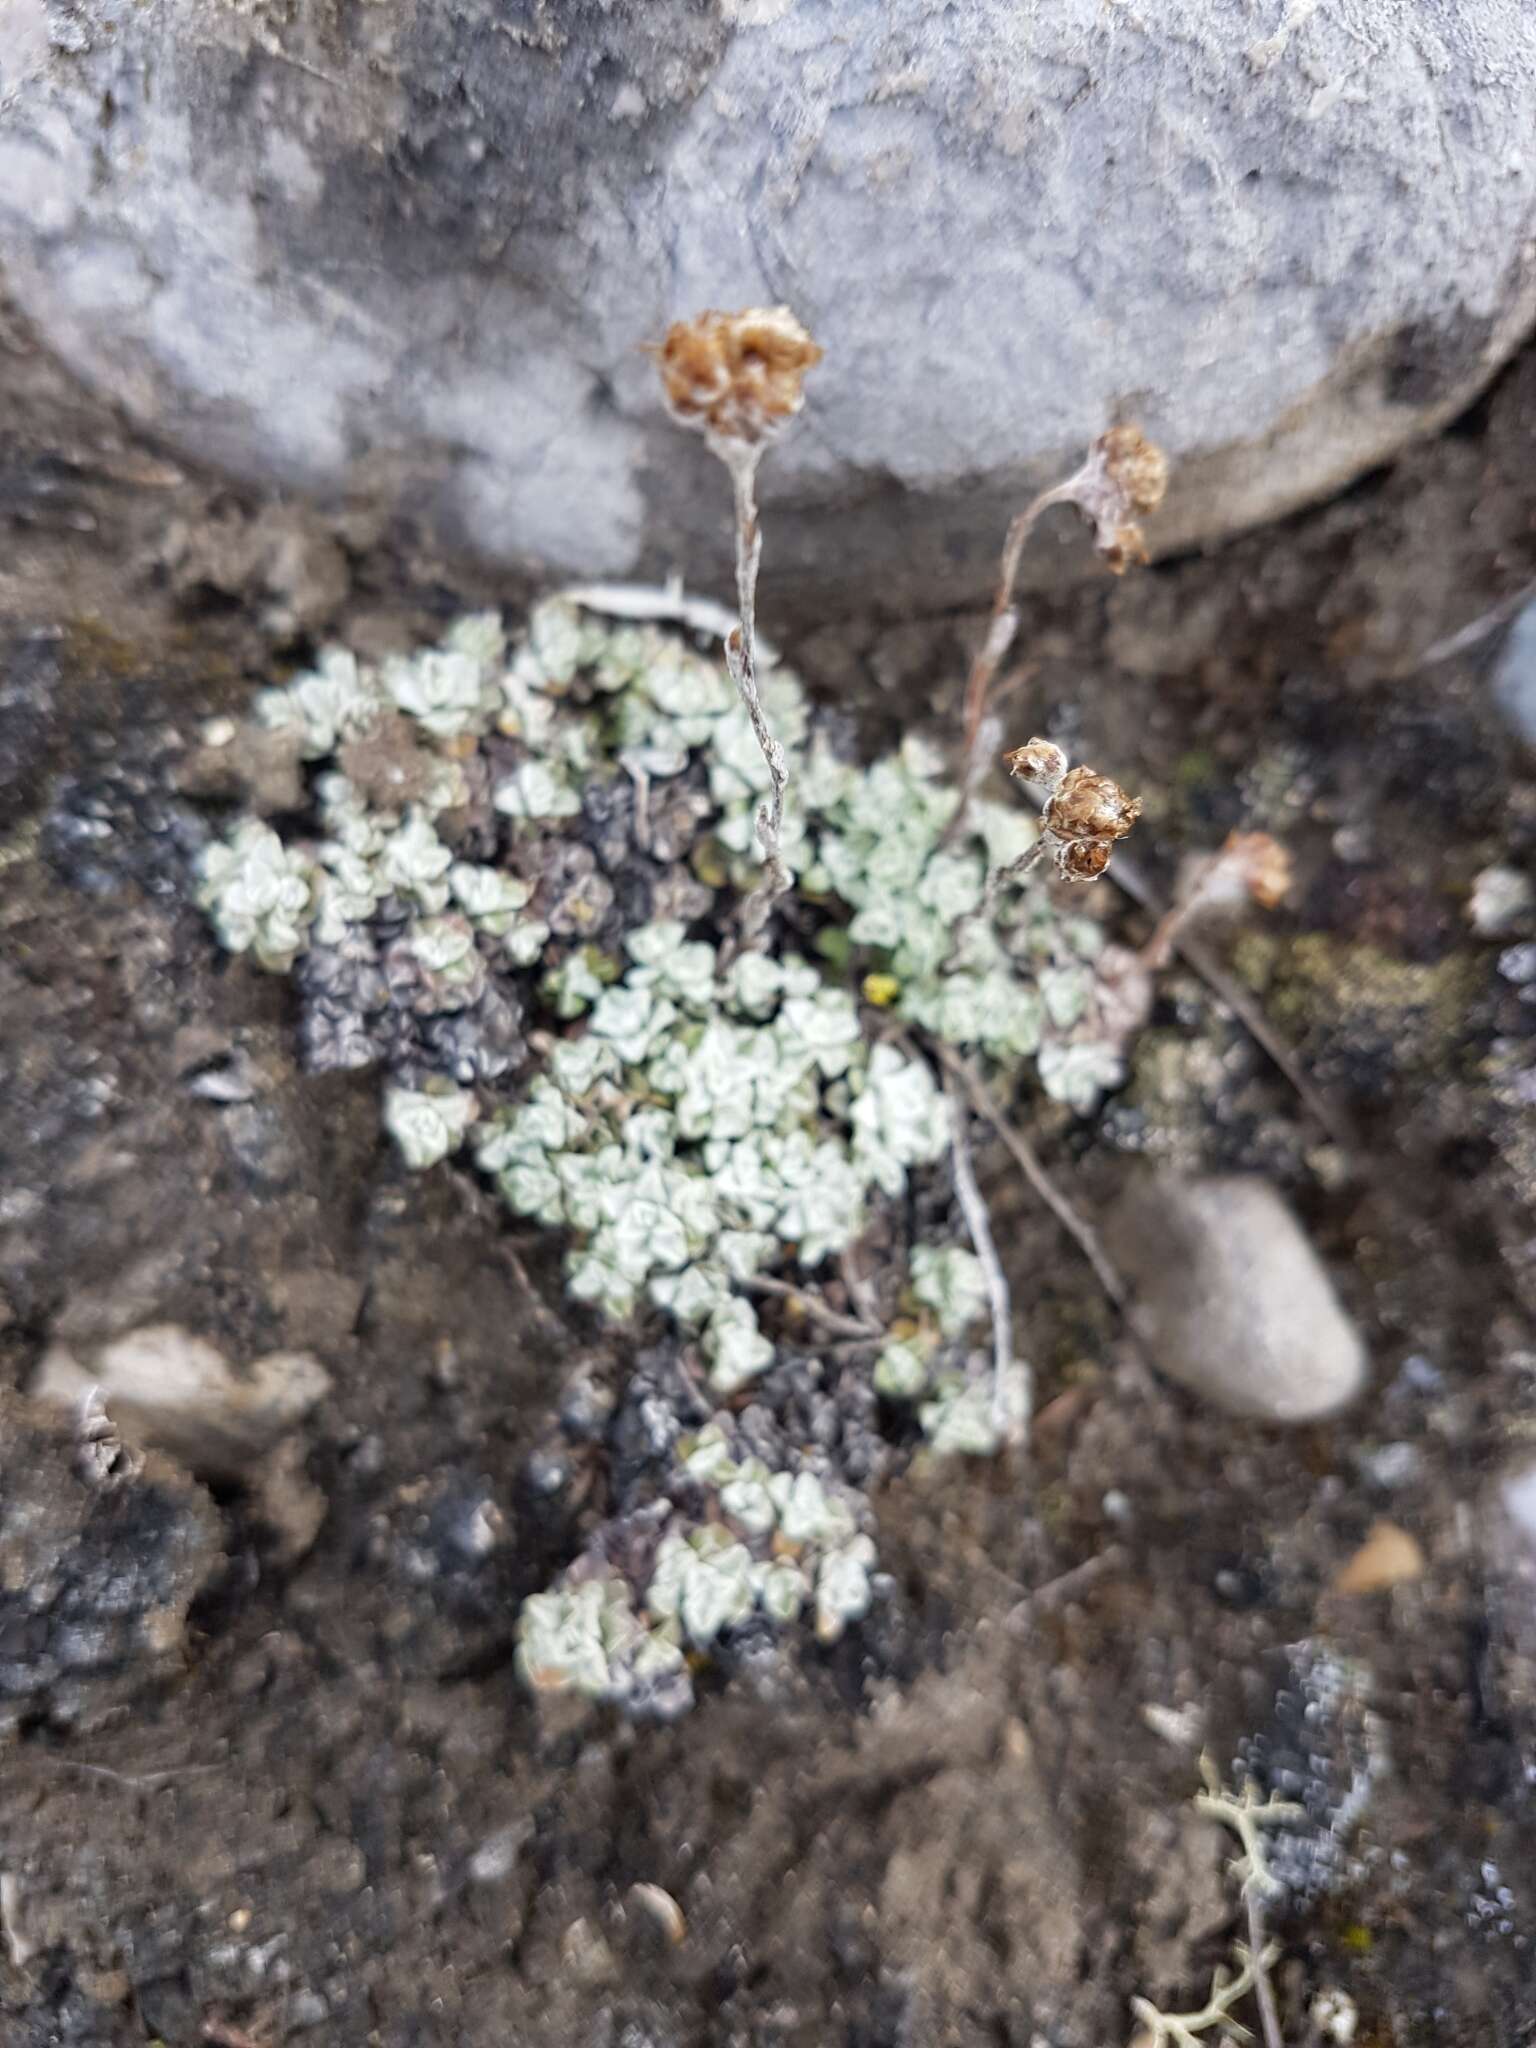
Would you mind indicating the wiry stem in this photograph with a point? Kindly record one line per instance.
(1001, 627)
(1028, 1161)
(979, 1224)
(741, 459)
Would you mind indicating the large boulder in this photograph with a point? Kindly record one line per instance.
(412, 249)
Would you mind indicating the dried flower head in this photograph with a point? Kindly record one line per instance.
(1124, 478)
(1082, 860)
(1262, 864)
(1038, 761)
(1137, 466)
(1091, 806)
(738, 376)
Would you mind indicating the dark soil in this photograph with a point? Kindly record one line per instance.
(328, 1811)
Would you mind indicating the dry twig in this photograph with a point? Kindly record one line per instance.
(818, 1310)
(1025, 1157)
(979, 1224)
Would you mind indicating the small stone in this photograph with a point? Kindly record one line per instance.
(1388, 1557)
(1514, 676)
(1502, 902)
(177, 1392)
(1232, 1301)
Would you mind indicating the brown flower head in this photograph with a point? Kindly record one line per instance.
(1136, 466)
(1262, 863)
(1091, 806)
(1038, 761)
(1124, 478)
(737, 376)
(1082, 860)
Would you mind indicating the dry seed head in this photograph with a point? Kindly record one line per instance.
(1091, 806)
(1038, 761)
(1082, 860)
(1136, 466)
(736, 375)
(1262, 862)
(1124, 478)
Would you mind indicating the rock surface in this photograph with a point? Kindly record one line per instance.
(1232, 1301)
(96, 1573)
(409, 253)
(177, 1392)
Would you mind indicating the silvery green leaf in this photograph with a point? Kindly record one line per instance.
(753, 983)
(747, 1503)
(881, 920)
(682, 685)
(647, 1237)
(959, 1419)
(718, 1594)
(546, 1121)
(1085, 935)
(922, 759)
(578, 1064)
(1007, 831)
(693, 1295)
(952, 1282)
(573, 986)
(649, 944)
(594, 1279)
(649, 1134)
(443, 690)
(414, 863)
(427, 1125)
(843, 1591)
(744, 1253)
(1065, 992)
(632, 1020)
(490, 896)
(524, 943)
(1009, 1013)
(560, 1641)
(526, 713)
(707, 1457)
(530, 1188)
(809, 1516)
(1080, 1075)
(555, 639)
(260, 895)
(444, 945)
(481, 637)
(901, 1372)
(703, 1580)
(334, 701)
(951, 885)
(735, 1346)
(781, 1589)
(824, 780)
(532, 791)
(826, 1025)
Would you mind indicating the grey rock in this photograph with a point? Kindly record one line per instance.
(407, 255)
(1232, 1301)
(1514, 676)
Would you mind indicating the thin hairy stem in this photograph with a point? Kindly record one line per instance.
(1002, 624)
(741, 460)
(979, 1224)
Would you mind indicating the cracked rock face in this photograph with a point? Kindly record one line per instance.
(409, 252)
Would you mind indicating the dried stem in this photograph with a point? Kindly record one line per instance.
(741, 460)
(1001, 627)
(1028, 1162)
(979, 1224)
(818, 1310)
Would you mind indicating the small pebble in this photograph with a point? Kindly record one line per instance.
(1231, 1300)
(1388, 1557)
